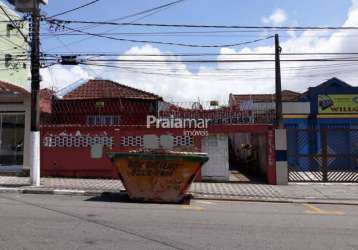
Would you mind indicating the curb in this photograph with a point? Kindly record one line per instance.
(276, 200)
(195, 196)
(53, 191)
(9, 190)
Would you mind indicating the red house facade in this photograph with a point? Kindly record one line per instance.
(76, 118)
(105, 115)
(101, 103)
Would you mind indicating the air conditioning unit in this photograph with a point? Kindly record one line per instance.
(26, 5)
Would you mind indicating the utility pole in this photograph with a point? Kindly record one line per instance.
(278, 93)
(33, 7)
(35, 95)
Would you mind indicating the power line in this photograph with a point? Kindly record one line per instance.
(102, 54)
(14, 25)
(149, 10)
(17, 20)
(228, 33)
(74, 9)
(341, 59)
(156, 10)
(230, 72)
(152, 66)
(150, 62)
(255, 69)
(170, 43)
(226, 77)
(207, 26)
(13, 43)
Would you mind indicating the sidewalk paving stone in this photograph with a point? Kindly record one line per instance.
(224, 191)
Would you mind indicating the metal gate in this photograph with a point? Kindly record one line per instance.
(216, 146)
(323, 155)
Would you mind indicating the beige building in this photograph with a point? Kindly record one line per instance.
(14, 68)
(14, 95)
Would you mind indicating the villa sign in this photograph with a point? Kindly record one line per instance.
(341, 104)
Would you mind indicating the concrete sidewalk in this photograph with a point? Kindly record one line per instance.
(333, 193)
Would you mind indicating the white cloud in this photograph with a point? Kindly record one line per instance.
(174, 81)
(59, 76)
(276, 18)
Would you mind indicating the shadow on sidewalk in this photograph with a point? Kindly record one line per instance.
(111, 197)
(14, 185)
(124, 198)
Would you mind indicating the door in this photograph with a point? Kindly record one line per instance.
(217, 168)
(11, 139)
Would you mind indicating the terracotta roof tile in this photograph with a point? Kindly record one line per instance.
(96, 89)
(8, 88)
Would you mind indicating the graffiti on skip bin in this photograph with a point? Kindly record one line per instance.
(152, 168)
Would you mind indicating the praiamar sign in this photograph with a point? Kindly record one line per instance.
(333, 104)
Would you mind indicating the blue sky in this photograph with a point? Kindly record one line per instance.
(187, 82)
(228, 12)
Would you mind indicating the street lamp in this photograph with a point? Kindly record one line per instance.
(33, 7)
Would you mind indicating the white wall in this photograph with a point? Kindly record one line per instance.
(287, 107)
(296, 108)
(217, 168)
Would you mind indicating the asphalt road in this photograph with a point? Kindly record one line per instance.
(77, 222)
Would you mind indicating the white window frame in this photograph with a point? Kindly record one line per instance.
(103, 120)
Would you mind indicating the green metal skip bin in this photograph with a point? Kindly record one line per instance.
(157, 176)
